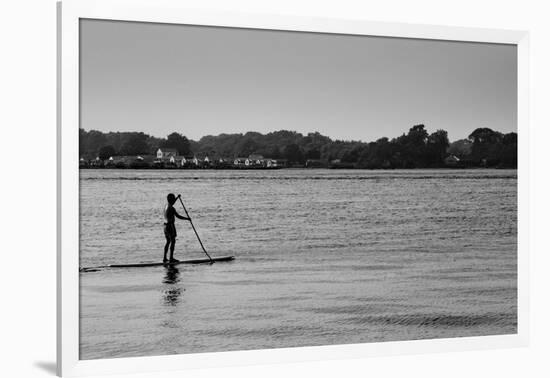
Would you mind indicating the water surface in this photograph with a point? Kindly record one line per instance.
(323, 257)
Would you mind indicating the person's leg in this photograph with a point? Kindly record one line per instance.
(167, 244)
(172, 247)
(166, 248)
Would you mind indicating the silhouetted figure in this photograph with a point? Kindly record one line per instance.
(170, 215)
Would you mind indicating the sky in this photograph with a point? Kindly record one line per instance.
(198, 80)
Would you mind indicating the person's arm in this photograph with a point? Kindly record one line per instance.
(180, 216)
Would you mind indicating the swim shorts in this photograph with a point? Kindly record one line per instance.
(170, 230)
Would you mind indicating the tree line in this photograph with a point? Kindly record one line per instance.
(415, 149)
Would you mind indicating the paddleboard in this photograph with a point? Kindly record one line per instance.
(196, 261)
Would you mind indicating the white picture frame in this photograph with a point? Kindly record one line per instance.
(169, 11)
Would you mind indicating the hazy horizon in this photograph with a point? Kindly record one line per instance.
(198, 81)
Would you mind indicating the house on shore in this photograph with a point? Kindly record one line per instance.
(452, 161)
(97, 163)
(167, 157)
(240, 162)
(277, 163)
(203, 162)
(220, 162)
(173, 161)
(185, 161)
(255, 161)
(166, 153)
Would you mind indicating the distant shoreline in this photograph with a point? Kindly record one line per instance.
(294, 168)
(288, 149)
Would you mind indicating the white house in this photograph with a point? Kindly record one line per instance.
(240, 162)
(256, 159)
(248, 162)
(163, 153)
(186, 160)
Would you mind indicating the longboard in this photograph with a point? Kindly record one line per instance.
(196, 261)
(145, 264)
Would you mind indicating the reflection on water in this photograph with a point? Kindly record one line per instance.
(322, 257)
(172, 294)
(172, 275)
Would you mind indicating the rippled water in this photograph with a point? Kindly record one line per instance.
(322, 257)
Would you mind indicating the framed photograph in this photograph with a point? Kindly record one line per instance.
(239, 188)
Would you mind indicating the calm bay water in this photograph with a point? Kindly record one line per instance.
(322, 257)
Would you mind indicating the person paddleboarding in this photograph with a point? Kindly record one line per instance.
(170, 215)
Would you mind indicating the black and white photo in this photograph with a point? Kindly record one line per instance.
(245, 189)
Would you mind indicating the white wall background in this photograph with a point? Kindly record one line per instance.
(27, 200)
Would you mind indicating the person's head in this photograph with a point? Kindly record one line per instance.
(171, 198)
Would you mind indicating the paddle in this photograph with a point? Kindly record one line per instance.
(192, 225)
